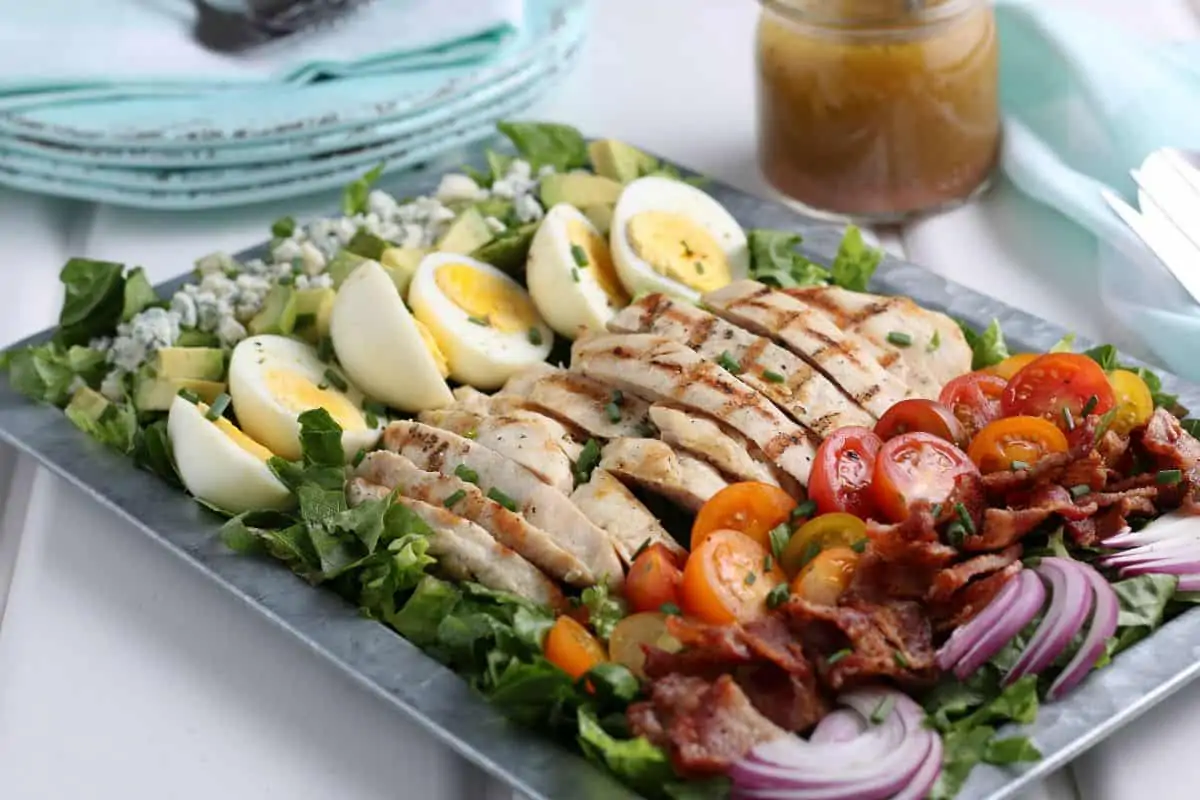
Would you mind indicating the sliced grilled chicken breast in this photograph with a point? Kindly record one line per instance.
(779, 374)
(531, 440)
(658, 468)
(705, 439)
(607, 502)
(465, 551)
(938, 345)
(393, 470)
(471, 400)
(506, 481)
(582, 402)
(660, 369)
(845, 358)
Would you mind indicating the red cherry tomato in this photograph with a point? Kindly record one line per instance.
(1058, 385)
(974, 399)
(919, 414)
(653, 579)
(916, 466)
(841, 474)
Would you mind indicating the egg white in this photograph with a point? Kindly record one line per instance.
(674, 197)
(257, 367)
(215, 468)
(479, 355)
(569, 297)
(379, 345)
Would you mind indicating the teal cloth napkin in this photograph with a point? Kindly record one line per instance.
(1084, 103)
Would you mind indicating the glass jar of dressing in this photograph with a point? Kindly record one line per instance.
(876, 110)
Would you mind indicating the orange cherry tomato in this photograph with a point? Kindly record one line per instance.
(1058, 385)
(825, 577)
(841, 472)
(727, 579)
(750, 507)
(919, 414)
(572, 649)
(1011, 365)
(1015, 439)
(916, 466)
(974, 399)
(653, 579)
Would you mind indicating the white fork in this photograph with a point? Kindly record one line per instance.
(1169, 220)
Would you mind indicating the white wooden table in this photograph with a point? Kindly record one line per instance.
(124, 674)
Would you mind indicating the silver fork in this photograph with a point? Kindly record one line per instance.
(1169, 217)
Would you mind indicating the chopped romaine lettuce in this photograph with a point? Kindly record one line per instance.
(48, 372)
(604, 610)
(854, 263)
(547, 143)
(987, 348)
(94, 300)
(775, 261)
(139, 294)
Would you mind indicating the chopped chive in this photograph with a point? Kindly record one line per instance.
(303, 321)
(580, 255)
(575, 274)
(900, 660)
(935, 342)
(325, 349)
(359, 456)
(778, 595)
(457, 495)
(750, 578)
(371, 420)
(373, 407)
(779, 536)
(284, 280)
(729, 363)
(899, 338)
(297, 266)
(1068, 420)
(699, 268)
(804, 510)
(936, 510)
(465, 473)
(859, 546)
(481, 321)
(589, 459)
(501, 498)
(322, 385)
(1103, 425)
(1089, 406)
(811, 551)
(955, 533)
(189, 395)
(612, 412)
(965, 517)
(670, 609)
(535, 336)
(884, 709)
(471, 433)
(773, 376)
(217, 409)
(836, 657)
(1168, 477)
(335, 380)
(283, 227)
(617, 396)
(1018, 465)
(1079, 490)
(641, 548)
(768, 563)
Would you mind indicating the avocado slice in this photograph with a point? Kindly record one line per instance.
(201, 363)
(278, 314)
(467, 233)
(157, 393)
(619, 161)
(309, 304)
(401, 263)
(342, 264)
(600, 216)
(579, 189)
(194, 337)
(87, 404)
(509, 251)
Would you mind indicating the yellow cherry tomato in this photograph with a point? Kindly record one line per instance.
(825, 577)
(1011, 365)
(828, 530)
(628, 636)
(1134, 403)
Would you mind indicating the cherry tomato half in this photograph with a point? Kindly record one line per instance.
(825, 577)
(1133, 399)
(974, 399)
(1015, 439)
(841, 473)
(1012, 365)
(653, 579)
(572, 648)
(916, 466)
(1056, 385)
(750, 507)
(630, 635)
(918, 414)
(819, 533)
(727, 579)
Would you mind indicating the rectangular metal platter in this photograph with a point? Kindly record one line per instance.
(434, 697)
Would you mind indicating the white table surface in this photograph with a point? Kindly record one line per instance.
(123, 673)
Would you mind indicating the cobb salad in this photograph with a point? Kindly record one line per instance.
(656, 484)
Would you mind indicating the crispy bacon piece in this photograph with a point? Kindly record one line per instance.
(1044, 470)
(705, 726)
(900, 560)
(974, 597)
(1114, 519)
(1003, 527)
(1166, 440)
(1082, 531)
(951, 579)
(1112, 448)
(1057, 499)
(1088, 471)
(885, 640)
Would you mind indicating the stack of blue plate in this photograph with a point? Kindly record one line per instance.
(183, 144)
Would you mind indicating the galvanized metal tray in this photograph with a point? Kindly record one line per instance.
(430, 694)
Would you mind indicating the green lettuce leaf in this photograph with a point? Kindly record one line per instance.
(152, 452)
(776, 261)
(139, 294)
(47, 372)
(354, 196)
(638, 763)
(542, 143)
(604, 610)
(94, 300)
(1106, 356)
(1143, 605)
(115, 427)
(987, 348)
(855, 262)
(498, 164)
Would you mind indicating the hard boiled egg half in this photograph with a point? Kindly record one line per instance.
(219, 464)
(570, 273)
(385, 351)
(482, 319)
(668, 236)
(274, 379)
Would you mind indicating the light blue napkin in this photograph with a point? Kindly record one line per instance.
(1084, 103)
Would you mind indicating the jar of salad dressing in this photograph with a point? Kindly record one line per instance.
(877, 110)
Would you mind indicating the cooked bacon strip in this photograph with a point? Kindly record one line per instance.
(1172, 446)
(1081, 531)
(901, 560)
(1088, 471)
(706, 727)
(973, 598)
(1046, 468)
(951, 579)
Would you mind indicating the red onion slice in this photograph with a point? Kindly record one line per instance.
(838, 726)
(1030, 595)
(1164, 567)
(1151, 551)
(1188, 583)
(965, 637)
(1069, 607)
(1105, 610)
(926, 776)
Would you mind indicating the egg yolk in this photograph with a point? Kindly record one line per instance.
(678, 248)
(239, 438)
(297, 393)
(486, 298)
(439, 358)
(597, 259)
